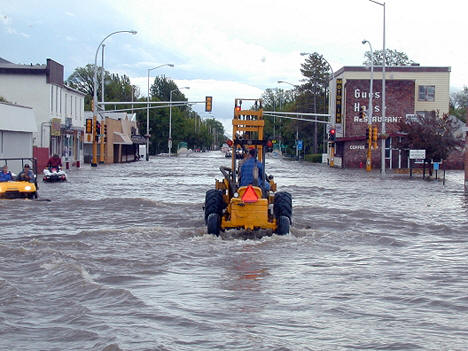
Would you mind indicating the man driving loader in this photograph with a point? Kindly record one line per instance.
(251, 172)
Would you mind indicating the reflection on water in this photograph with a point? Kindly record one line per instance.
(120, 259)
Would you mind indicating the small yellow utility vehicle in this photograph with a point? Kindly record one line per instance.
(253, 206)
(18, 189)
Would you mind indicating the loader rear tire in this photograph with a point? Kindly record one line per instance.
(213, 203)
(283, 225)
(213, 223)
(282, 205)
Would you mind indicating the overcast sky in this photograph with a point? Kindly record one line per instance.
(230, 49)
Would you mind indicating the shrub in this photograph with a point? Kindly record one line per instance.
(315, 158)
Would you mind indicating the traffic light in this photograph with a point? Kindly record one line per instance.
(332, 134)
(368, 135)
(105, 132)
(208, 103)
(98, 128)
(89, 125)
(375, 136)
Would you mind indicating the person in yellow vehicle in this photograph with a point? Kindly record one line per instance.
(26, 174)
(5, 174)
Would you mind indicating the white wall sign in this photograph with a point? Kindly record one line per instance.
(417, 154)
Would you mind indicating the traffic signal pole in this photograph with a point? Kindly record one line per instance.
(466, 154)
(94, 160)
(369, 148)
(101, 137)
(332, 139)
(332, 155)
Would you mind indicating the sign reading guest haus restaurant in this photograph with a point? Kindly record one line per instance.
(409, 90)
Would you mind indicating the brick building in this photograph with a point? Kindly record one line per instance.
(409, 91)
(121, 138)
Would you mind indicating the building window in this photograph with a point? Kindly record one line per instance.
(66, 105)
(76, 107)
(426, 93)
(60, 95)
(388, 147)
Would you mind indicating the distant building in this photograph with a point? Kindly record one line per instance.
(58, 109)
(120, 137)
(410, 91)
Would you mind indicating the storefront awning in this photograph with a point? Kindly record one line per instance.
(120, 138)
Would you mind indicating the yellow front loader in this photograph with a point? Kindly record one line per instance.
(254, 206)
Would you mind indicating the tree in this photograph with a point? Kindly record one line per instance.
(430, 132)
(458, 104)
(392, 58)
(279, 129)
(116, 88)
(186, 124)
(2, 99)
(82, 80)
(313, 97)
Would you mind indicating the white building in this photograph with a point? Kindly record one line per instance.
(17, 125)
(58, 109)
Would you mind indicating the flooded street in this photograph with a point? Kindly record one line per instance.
(119, 259)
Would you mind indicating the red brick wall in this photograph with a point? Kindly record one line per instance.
(42, 156)
(399, 96)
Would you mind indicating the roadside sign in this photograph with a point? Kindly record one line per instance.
(436, 166)
(299, 144)
(417, 154)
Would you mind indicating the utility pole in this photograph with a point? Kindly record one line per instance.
(101, 138)
(466, 152)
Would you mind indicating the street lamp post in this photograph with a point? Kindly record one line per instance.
(169, 142)
(94, 160)
(297, 126)
(370, 109)
(384, 108)
(147, 107)
(101, 142)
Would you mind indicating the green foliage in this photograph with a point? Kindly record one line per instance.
(2, 99)
(392, 58)
(430, 132)
(458, 104)
(116, 88)
(311, 96)
(279, 129)
(317, 74)
(315, 158)
(186, 124)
